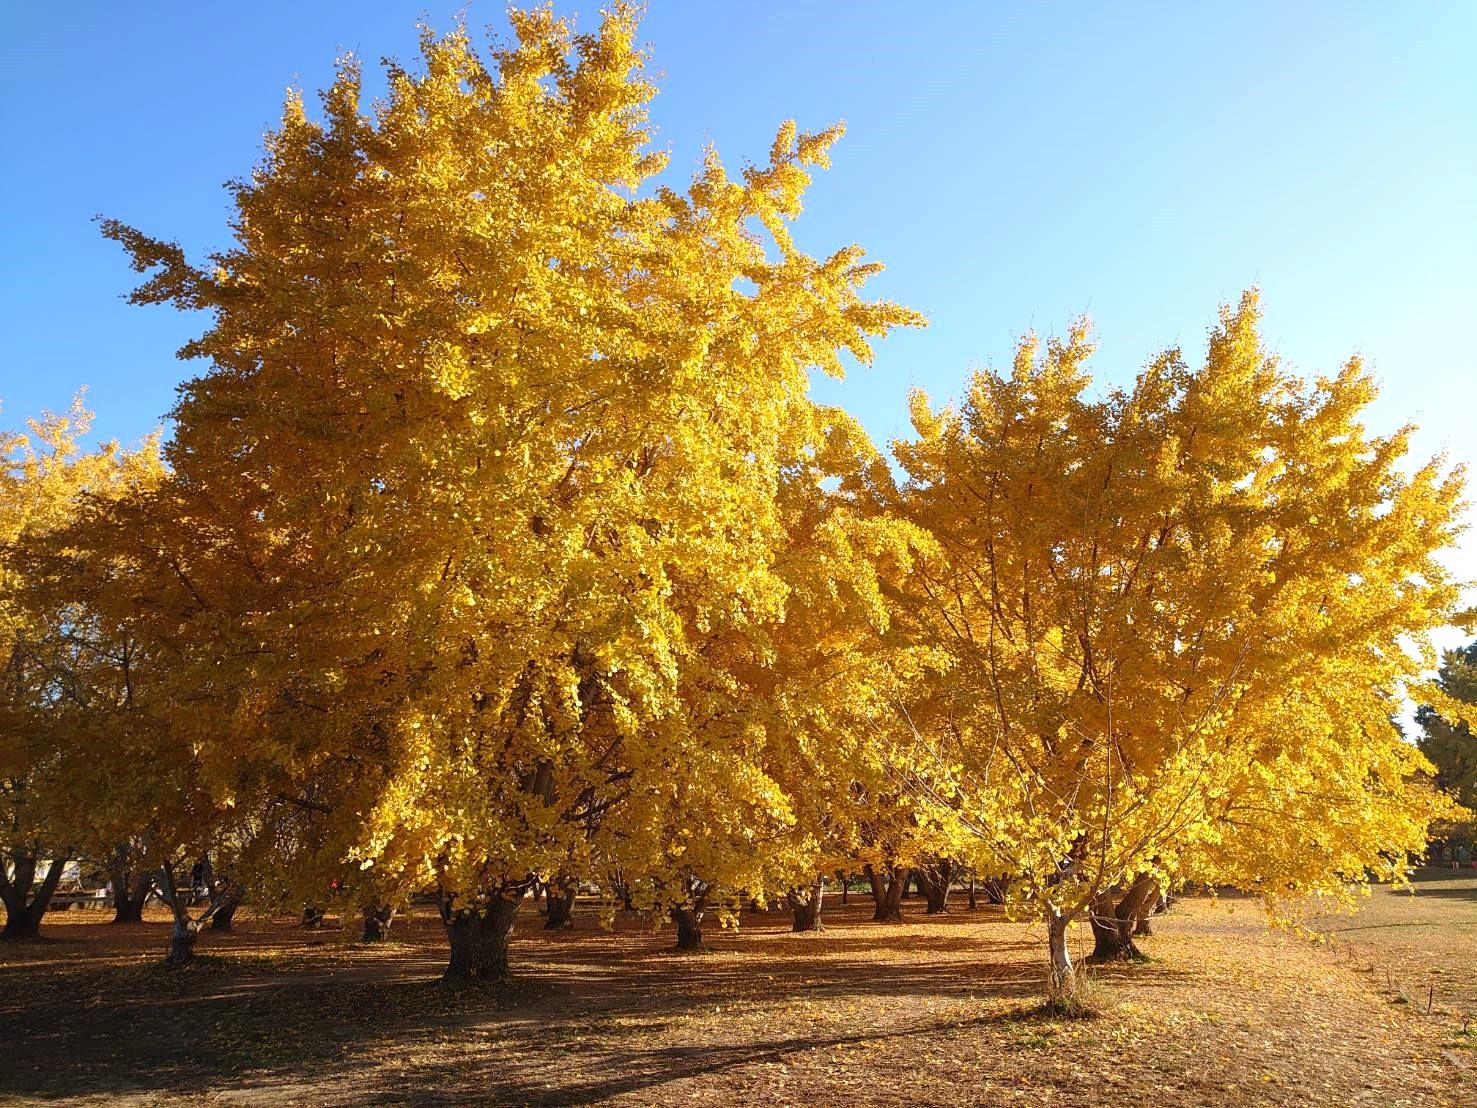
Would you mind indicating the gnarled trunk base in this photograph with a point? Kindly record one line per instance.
(23, 911)
(560, 897)
(225, 916)
(377, 920)
(807, 909)
(1114, 925)
(689, 923)
(479, 942)
(182, 940)
(887, 894)
(934, 881)
(129, 894)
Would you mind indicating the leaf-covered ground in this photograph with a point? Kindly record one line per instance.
(942, 1011)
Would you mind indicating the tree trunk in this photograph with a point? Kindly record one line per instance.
(1062, 983)
(888, 895)
(689, 923)
(377, 920)
(182, 940)
(973, 902)
(1113, 925)
(1152, 907)
(479, 940)
(129, 896)
(560, 896)
(23, 916)
(130, 887)
(879, 891)
(186, 930)
(621, 890)
(807, 909)
(228, 899)
(934, 881)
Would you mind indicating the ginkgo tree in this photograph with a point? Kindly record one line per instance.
(61, 667)
(486, 449)
(1180, 616)
(787, 711)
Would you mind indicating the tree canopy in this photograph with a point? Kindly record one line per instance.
(499, 544)
(1180, 616)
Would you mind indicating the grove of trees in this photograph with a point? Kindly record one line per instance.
(498, 542)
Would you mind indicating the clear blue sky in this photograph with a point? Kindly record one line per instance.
(1013, 166)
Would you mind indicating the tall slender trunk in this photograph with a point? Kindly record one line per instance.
(1062, 984)
(23, 911)
(560, 896)
(479, 938)
(879, 891)
(807, 908)
(186, 930)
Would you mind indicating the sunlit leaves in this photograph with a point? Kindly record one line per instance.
(1181, 616)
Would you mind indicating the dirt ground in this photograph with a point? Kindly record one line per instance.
(936, 1011)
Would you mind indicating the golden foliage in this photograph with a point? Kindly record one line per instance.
(1181, 617)
(499, 539)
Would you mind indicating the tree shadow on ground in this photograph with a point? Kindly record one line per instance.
(640, 1070)
(593, 1014)
(240, 1019)
(1450, 892)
